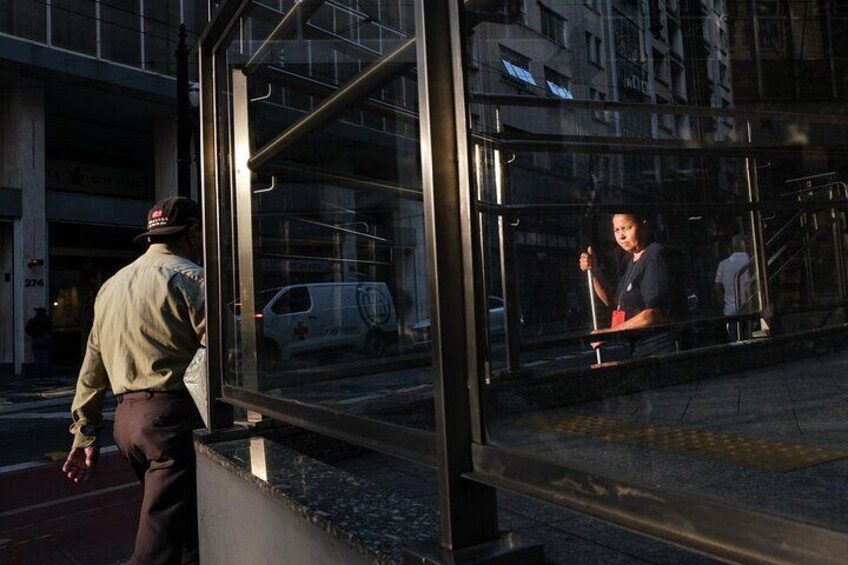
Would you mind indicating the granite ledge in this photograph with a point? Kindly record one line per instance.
(377, 524)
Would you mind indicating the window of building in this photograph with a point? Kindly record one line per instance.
(24, 19)
(523, 17)
(73, 26)
(598, 96)
(594, 48)
(558, 84)
(678, 81)
(553, 26)
(160, 39)
(517, 67)
(661, 71)
(120, 32)
(665, 121)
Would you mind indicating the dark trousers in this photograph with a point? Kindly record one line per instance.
(739, 330)
(41, 356)
(153, 432)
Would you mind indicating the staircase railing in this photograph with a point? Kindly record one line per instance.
(794, 238)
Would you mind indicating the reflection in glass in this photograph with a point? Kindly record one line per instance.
(258, 462)
(587, 116)
(329, 296)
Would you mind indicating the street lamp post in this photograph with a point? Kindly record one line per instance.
(183, 118)
(194, 106)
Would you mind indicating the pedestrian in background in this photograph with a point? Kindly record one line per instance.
(732, 286)
(40, 330)
(149, 320)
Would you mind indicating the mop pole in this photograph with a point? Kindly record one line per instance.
(594, 309)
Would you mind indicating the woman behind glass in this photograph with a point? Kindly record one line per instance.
(644, 293)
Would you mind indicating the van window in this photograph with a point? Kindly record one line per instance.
(293, 301)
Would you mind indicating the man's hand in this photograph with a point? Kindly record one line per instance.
(81, 463)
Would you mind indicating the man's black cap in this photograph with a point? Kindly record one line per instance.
(171, 215)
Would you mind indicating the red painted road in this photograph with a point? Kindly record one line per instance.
(44, 518)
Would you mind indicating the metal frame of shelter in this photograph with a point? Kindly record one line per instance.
(469, 469)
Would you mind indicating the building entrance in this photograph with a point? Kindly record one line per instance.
(7, 295)
(77, 270)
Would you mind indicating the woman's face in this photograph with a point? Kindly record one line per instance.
(629, 233)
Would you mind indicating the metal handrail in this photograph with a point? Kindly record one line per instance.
(287, 27)
(829, 186)
(374, 76)
(525, 100)
(772, 259)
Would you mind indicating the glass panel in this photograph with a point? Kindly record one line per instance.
(698, 171)
(24, 19)
(120, 31)
(327, 287)
(73, 24)
(161, 33)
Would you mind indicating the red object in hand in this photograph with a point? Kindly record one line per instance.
(618, 317)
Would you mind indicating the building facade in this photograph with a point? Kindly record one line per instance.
(89, 141)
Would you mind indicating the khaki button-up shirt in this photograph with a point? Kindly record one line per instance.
(149, 320)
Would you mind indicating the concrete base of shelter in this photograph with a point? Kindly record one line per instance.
(261, 502)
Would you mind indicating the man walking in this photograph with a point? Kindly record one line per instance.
(39, 328)
(149, 320)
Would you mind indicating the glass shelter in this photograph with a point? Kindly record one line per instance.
(591, 251)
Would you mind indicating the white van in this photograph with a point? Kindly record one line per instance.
(305, 318)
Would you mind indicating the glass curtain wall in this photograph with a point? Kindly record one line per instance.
(660, 186)
(138, 33)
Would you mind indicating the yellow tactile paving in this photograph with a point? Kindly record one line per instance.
(751, 452)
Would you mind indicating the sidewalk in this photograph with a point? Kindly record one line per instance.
(22, 393)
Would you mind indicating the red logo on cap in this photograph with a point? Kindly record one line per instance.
(157, 214)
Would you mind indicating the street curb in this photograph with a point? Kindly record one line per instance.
(45, 403)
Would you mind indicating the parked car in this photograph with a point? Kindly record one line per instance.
(420, 332)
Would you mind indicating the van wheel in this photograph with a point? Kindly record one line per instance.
(270, 358)
(375, 344)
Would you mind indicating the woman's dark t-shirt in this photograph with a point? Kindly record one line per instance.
(650, 283)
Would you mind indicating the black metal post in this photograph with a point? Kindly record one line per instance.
(758, 241)
(468, 510)
(183, 118)
(220, 413)
(509, 263)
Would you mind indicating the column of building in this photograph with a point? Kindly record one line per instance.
(22, 168)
